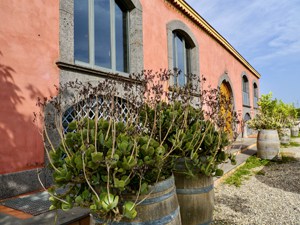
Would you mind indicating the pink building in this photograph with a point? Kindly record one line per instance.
(44, 43)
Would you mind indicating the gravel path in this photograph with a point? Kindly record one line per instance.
(272, 198)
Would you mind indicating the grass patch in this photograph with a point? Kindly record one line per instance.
(291, 144)
(245, 171)
(292, 137)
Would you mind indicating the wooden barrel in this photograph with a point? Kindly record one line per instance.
(160, 207)
(295, 131)
(268, 144)
(285, 135)
(196, 198)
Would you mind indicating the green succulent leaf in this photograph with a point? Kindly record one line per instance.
(144, 188)
(93, 207)
(85, 194)
(66, 206)
(129, 210)
(219, 172)
(109, 201)
(104, 178)
(97, 157)
(51, 199)
(78, 199)
(101, 138)
(123, 146)
(128, 162)
(222, 156)
(119, 183)
(194, 156)
(52, 207)
(72, 126)
(78, 162)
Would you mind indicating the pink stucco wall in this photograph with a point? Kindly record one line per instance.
(29, 48)
(28, 52)
(214, 59)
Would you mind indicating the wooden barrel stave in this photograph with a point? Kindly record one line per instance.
(285, 135)
(295, 131)
(160, 207)
(196, 199)
(268, 144)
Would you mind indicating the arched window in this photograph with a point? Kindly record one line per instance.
(181, 59)
(101, 34)
(255, 93)
(245, 82)
(183, 53)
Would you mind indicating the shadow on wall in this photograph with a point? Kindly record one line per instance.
(18, 135)
(10, 98)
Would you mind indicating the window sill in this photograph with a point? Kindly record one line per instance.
(96, 72)
(246, 106)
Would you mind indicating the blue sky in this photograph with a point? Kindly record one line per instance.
(267, 34)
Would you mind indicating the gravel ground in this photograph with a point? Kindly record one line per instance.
(272, 198)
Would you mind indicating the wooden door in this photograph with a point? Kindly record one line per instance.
(226, 108)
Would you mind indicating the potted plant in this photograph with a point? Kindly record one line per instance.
(109, 169)
(107, 160)
(285, 112)
(292, 119)
(196, 141)
(295, 129)
(267, 122)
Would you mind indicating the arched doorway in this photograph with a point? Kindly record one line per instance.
(247, 130)
(226, 107)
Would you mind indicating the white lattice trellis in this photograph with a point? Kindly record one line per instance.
(121, 110)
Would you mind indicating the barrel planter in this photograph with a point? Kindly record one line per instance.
(285, 135)
(196, 198)
(159, 207)
(295, 131)
(268, 144)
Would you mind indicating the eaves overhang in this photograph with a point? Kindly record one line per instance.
(187, 10)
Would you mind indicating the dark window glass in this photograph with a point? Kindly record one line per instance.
(102, 33)
(81, 31)
(180, 59)
(255, 89)
(245, 84)
(188, 59)
(121, 39)
(108, 36)
(245, 91)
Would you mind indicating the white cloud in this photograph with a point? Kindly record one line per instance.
(266, 33)
(259, 30)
